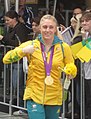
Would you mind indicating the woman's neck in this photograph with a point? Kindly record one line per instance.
(48, 44)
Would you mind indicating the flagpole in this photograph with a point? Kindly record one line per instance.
(17, 6)
(54, 9)
(47, 6)
(7, 5)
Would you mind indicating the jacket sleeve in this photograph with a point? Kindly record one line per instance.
(16, 36)
(68, 58)
(15, 54)
(9, 39)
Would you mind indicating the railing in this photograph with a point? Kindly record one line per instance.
(68, 15)
(7, 91)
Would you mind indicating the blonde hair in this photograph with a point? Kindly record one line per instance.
(50, 17)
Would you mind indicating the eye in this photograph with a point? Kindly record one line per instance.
(45, 27)
(82, 21)
(86, 20)
(51, 27)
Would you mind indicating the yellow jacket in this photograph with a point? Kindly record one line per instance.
(36, 89)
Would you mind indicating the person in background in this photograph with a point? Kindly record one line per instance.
(86, 25)
(35, 27)
(77, 37)
(43, 91)
(58, 13)
(77, 11)
(17, 34)
(26, 13)
(41, 12)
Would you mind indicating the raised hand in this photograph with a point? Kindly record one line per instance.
(28, 49)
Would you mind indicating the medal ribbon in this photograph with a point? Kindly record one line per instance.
(48, 66)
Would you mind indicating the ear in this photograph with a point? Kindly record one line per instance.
(39, 28)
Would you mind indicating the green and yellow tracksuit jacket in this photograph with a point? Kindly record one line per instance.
(36, 89)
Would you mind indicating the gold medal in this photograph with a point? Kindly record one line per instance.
(48, 80)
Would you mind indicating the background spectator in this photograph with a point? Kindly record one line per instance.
(17, 34)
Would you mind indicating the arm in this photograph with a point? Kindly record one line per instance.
(70, 68)
(18, 53)
(68, 58)
(20, 31)
(13, 55)
(9, 39)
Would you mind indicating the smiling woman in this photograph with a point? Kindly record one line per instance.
(43, 90)
(15, 29)
(84, 54)
(48, 28)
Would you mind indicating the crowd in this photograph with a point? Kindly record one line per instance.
(49, 57)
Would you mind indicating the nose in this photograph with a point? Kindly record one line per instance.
(84, 21)
(48, 29)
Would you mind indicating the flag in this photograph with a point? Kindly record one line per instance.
(84, 53)
(76, 45)
(75, 49)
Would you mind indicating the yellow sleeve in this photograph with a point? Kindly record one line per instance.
(68, 58)
(15, 54)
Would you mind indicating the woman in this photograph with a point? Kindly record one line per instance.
(17, 33)
(46, 55)
(86, 26)
(35, 27)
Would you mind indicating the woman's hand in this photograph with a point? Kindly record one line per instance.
(28, 49)
(62, 27)
(70, 77)
(1, 37)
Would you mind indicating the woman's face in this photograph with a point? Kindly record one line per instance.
(9, 22)
(86, 25)
(35, 27)
(48, 28)
(73, 24)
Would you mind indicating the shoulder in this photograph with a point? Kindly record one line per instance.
(21, 26)
(65, 44)
(66, 47)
